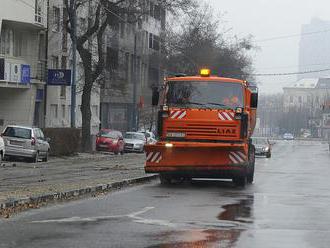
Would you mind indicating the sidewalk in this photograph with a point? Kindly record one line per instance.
(23, 183)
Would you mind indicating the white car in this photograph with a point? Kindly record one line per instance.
(288, 136)
(134, 142)
(151, 138)
(2, 148)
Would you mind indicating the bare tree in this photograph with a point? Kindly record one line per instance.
(103, 13)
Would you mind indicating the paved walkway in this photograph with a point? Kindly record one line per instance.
(23, 180)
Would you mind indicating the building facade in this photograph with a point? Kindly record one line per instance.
(22, 62)
(133, 68)
(58, 107)
(309, 99)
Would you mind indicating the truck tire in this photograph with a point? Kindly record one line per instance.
(240, 181)
(165, 179)
(250, 175)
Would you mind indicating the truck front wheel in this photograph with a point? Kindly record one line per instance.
(240, 181)
(165, 179)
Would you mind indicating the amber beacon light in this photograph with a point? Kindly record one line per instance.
(205, 72)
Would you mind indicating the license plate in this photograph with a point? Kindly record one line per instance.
(103, 146)
(16, 143)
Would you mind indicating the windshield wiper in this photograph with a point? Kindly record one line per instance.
(219, 104)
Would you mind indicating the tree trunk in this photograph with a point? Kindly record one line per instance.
(86, 115)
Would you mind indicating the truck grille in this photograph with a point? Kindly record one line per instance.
(204, 130)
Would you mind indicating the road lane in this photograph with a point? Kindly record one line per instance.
(287, 206)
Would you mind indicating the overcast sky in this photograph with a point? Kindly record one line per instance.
(272, 18)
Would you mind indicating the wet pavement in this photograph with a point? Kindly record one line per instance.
(287, 206)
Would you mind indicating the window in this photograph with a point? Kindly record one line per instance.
(63, 92)
(64, 60)
(54, 111)
(56, 20)
(112, 59)
(38, 11)
(54, 62)
(156, 42)
(150, 41)
(63, 111)
(64, 31)
(6, 41)
(18, 44)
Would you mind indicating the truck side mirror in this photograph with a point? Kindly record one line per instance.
(254, 100)
(155, 97)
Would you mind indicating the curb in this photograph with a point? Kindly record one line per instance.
(30, 202)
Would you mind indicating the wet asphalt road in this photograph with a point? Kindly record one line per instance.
(287, 206)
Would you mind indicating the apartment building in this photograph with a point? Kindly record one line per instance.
(133, 67)
(58, 105)
(22, 62)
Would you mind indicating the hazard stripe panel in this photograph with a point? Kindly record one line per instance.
(154, 157)
(178, 114)
(237, 157)
(226, 116)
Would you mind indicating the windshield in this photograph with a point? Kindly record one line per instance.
(202, 94)
(109, 134)
(138, 136)
(259, 141)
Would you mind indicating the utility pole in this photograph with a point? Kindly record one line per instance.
(134, 85)
(74, 63)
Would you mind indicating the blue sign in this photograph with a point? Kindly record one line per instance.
(25, 74)
(59, 77)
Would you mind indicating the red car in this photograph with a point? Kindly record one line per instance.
(110, 141)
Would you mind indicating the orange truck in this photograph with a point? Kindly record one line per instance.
(205, 124)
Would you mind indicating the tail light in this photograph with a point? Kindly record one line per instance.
(33, 141)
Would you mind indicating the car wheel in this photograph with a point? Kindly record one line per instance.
(45, 159)
(116, 153)
(268, 155)
(122, 153)
(36, 158)
(1, 156)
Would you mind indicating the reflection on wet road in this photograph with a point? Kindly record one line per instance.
(287, 206)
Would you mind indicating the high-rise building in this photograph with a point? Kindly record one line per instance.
(314, 49)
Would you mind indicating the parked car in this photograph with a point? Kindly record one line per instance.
(25, 142)
(135, 141)
(262, 146)
(2, 148)
(288, 136)
(150, 136)
(110, 141)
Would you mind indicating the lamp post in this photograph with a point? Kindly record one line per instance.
(74, 58)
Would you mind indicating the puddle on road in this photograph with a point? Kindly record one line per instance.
(198, 238)
(241, 212)
(238, 212)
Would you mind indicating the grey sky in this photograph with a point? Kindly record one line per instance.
(266, 19)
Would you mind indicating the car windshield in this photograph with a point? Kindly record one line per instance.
(18, 132)
(259, 141)
(109, 134)
(139, 136)
(205, 94)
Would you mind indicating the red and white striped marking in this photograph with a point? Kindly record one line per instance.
(154, 157)
(237, 157)
(226, 116)
(178, 114)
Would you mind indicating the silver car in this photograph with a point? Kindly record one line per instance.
(134, 142)
(25, 142)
